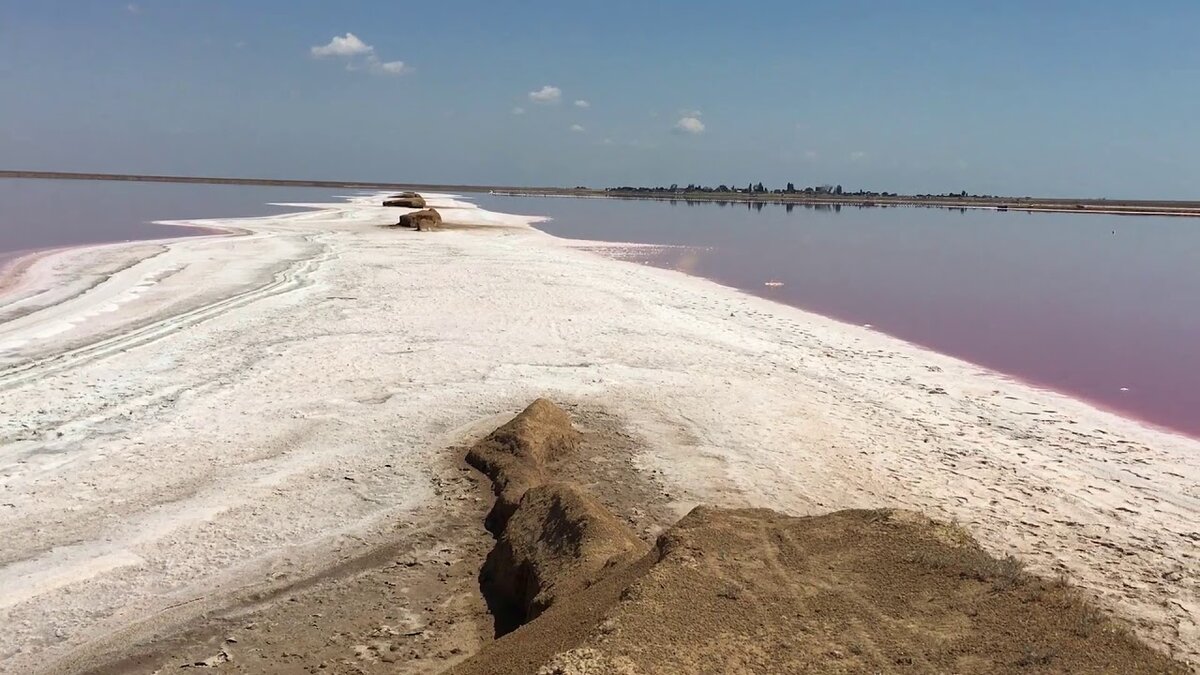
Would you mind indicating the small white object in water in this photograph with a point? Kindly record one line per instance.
(867, 325)
(1124, 388)
(772, 283)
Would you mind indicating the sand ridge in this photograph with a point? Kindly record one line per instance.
(753, 590)
(264, 400)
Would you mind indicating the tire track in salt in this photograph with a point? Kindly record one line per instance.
(296, 276)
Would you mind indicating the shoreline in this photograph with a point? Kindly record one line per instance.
(12, 268)
(14, 264)
(1022, 380)
(238, 376)
(1127, 207)
(1000, 204)
(1027, 381)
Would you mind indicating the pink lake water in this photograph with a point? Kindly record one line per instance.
(1105, 308)
(41, 214)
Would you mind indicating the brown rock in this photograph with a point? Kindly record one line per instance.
(408, 200)
(515, 455)
(558, 539)
(425, 219)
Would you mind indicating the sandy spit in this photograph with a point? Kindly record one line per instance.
(181, 420)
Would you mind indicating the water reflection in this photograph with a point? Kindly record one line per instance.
(37, 214)
(1100, 306)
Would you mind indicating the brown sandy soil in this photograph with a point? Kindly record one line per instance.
(411, 604)
(408, 605)
(752, 590)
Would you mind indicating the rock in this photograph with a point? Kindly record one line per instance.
(514, 455)
(425, 219)
(555, 543)
(217, 659)
(408, 200)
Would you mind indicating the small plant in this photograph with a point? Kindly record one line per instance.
(1004, 573)
(1035, 657)
(1088, 620)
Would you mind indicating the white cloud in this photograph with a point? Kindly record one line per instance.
(387, 67)
(547, 94)
(581, 103)
(578, 128)
(518, 110)
(811, 154)
(133, 8)
(607, 141)
(857, 155)
(349, 46)
(395, 68)
(343, 45)
(690, 125)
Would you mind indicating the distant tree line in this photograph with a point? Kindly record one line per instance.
(790, 189)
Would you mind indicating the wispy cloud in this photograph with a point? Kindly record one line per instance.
(690, 124)
(133, 8)
(578, 128)
(547, 94)
(811, 154)
(342, 45)
(518, 110)
(387, 67)
(857, 155)
(581, 103)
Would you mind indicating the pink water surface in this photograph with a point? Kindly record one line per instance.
(1105, 308)
(42, 214)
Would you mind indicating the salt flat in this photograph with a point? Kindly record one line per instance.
(182, 421)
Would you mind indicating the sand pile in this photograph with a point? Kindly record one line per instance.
(408, 200)
(516, 455)
(758, 591)
(425, 219)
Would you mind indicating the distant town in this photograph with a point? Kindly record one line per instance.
(790, 189)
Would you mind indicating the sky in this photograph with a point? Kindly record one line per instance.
(1047, 98)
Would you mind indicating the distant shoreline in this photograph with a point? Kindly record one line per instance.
(1026, 204)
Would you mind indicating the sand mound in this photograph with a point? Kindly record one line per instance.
(558, 540)
(408, 200)
(425, 219)
(515, 455)
(758, 591)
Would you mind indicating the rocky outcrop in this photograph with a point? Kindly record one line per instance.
(426, 219)
(408, 200)
(515, 456)
(558, 540)
(753, 590)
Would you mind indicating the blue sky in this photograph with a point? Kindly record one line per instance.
(1061, 97)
